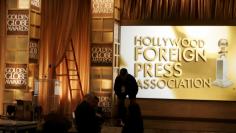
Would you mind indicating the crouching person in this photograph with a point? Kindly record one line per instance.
(85, 115)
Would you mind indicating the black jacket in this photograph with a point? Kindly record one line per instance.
(130, 84)
(85, 118)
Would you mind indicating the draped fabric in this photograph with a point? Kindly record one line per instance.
(202, 10)
(63, 20)
(81, 41)
(58, 20)
(2, 48)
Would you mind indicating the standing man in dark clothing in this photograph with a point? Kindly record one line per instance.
(85, 115)
(125, 84)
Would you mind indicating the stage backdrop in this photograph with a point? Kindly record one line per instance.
(181, 62)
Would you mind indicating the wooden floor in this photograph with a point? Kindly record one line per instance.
(107, 129)
(178, 126)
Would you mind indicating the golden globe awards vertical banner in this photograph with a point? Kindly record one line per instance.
(33, 51)
(17, 22)
(101, 55)
(35, 4)
(16, 76)
(105, 102)
(101, 8)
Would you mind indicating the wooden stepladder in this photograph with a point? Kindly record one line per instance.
(73, 76)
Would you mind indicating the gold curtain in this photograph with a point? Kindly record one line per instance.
(2, 49)
(178, 10)
(63, 20)
(58, 20)
(81, 41)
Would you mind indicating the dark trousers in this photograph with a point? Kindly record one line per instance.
(121, 109)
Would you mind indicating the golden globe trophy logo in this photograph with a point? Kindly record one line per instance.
(17, 22)
(16, 76)
(161, 64)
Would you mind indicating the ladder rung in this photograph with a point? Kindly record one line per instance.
(74, 79)
(61, 74)
(73, 75)
(75, 89)
(70, 60)
(72, 70)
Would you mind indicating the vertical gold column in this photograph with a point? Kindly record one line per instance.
(2, 50)
(20, 56)
(104, 39)
(102, 52)
(116, 51)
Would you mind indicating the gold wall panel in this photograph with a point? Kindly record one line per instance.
(97, 36)
(34, 32)
(108, 24)
(11, 4)
(97, 24)
(108, 36)
(117, 14)
(95, 84)
(18, 57)
(23, 4)
(38, 19)
(17, 43)
(10, 56)
(8, 96)
(35, 18)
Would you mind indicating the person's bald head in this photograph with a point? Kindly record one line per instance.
(123, 72)
(91, 99)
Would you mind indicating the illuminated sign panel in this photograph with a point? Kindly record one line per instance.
(102, 8)
(35, 4)
(17, 22)
(101, 55)
(181, 62)
(16, 76)
(33, 51)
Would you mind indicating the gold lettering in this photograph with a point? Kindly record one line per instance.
(168, 69)
(148, 56)
(188, 54)
(147, 41)
(137, 68)
(158, 69)
(138, 41)
(201, 54)
(137, 52)
(201, 43)
(173, 54)
(175, 42)
(162, 54)
(165, 40)
(148, 70)
(139, 82)
(185, 42)
(153, 84)
(177, 68)
(146, 84)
